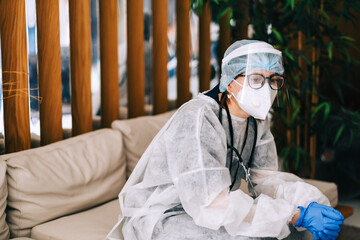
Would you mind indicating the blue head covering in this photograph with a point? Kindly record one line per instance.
(235, 65)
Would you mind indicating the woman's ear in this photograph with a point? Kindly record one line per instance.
(228, 88)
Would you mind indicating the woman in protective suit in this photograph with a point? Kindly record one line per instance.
(186, 184)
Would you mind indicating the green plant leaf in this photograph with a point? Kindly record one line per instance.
(326, 16)
(231, 15)
(222, 13)
(292, 4)
(326, 111)
(330, 47)
(296, 112)
(305, 58)
(339, 132)
(198, 6)
(287, 4)
(277, 35)
(325, 105)
(288, 54)
(347, 38)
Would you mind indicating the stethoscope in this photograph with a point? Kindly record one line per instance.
(233, 149)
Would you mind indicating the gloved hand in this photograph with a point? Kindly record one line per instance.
(322, 221)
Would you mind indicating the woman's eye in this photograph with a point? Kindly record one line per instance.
(256, 79)
(276, 81)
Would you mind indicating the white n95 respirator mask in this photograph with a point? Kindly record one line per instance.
(261, 78)
(256, 102)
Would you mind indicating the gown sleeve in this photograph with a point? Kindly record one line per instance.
(196, 154)
(275, 184)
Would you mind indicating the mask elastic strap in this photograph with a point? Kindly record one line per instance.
(240, 84)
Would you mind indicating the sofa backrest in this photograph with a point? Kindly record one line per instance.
(4, 229)
(137, 134)
(63, 178)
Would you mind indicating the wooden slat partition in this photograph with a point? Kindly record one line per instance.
(80, 66)
(15, 75)
(160, 58)
(135, 58)
(244, 20)
(224, 36)
(204, 48)
(302, 66)
(314, 101)
(183, 51)
(109, 62)
(49, 59)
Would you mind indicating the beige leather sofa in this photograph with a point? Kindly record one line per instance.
(68, 190)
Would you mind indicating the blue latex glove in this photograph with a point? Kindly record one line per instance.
(322, 221)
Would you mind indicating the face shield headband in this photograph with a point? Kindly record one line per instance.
(251, 48)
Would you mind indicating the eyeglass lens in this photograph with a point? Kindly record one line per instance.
(257, 80)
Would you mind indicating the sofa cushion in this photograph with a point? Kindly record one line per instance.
(137, 135)
(4, 229)
(92, 224)
(63, 178)
(329, 189)
(22, 238)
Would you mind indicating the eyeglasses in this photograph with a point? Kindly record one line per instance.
(257, 80)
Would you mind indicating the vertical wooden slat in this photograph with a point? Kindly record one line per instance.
(245, 19)
(301, 66)
(109, 62)
(160, 75)
(183, 51)
(314, 101)
(48, 34)
(15, 76)
(135, 58)
(204, 48)
(80, 66)
(224, 36)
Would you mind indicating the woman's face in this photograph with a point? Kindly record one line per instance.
(235, 86)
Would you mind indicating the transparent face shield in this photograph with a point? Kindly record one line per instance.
(261, 80)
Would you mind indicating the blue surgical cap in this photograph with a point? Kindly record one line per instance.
(235, 65)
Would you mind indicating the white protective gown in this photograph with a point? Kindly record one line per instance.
(186, 164)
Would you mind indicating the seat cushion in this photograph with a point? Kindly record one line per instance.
(92, 224)
(22, 238)
(137, 135)
(329, 189)
(4, 229)
(63, 178)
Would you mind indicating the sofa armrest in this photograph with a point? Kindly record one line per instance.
(63, 178)
(346, 211)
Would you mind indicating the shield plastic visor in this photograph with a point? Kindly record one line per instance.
(260, 82)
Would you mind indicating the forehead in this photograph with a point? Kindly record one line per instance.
(263, 72)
